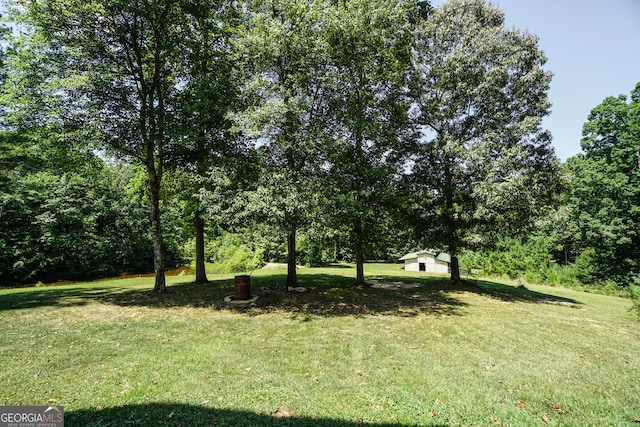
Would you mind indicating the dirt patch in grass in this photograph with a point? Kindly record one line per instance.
(393, 286)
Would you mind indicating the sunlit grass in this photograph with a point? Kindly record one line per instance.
(407, 350)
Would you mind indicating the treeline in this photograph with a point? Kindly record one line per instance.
(139, 135)
(66, 214)
(591, 237)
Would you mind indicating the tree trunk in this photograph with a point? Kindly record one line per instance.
(156, 231)
(201, 274)
(292, 276)
(359, 263)
(455, 271)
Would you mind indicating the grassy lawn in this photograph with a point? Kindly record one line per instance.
(407, 350)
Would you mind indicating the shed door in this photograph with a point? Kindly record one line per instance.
(422, 266)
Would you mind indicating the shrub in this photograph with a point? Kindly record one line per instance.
(584, 266)
(560, 275)
(229, 254)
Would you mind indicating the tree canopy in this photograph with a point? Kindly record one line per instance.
(119, 70)
(482, 161)
(606, 187)
(298, 131)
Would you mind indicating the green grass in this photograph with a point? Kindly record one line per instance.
(408, 350)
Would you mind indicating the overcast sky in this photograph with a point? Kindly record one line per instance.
(593, 50)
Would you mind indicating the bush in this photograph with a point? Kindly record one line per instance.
(241, 260)
(560, 275)
(229, 254)
(74, 225)
(584, 266)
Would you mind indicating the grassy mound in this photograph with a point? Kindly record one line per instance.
(405, 350)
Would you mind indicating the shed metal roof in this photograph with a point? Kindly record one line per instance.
(440, 256)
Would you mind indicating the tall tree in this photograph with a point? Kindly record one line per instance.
(482, 161)
(605, 193)
(114, 64)
(65, 213)
(282, 58)
(208, 96)
(369, 52)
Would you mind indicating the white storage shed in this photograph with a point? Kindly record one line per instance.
(428, 260)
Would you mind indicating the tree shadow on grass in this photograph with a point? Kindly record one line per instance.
(176, 414)
(327, 295)
(489, 289)
(520, 294)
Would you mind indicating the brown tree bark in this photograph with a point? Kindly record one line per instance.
(359, 253)
(292, 275)
(201, 273)
(359, 263)
(455, 271)
(156, 230)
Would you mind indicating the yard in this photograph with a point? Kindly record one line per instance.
(407, 350)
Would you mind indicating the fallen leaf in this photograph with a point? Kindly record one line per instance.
(359, 373)
(340, 407)
(438, 401)
(281, 413)
(51, 400)
(170, 416)
(636, 419)
(522, 403)
(495, 421)
(559, 410)
(432, 414)
(545, 418)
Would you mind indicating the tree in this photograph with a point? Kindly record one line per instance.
(282, 56)
(369, 44)
(606, 187)
(64, 221)
(114, 64)
(482, 162)
(207, 98)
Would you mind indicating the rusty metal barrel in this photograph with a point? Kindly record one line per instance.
(242, 288)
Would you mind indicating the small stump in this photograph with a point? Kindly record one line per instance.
(242, 288)
(241, 292)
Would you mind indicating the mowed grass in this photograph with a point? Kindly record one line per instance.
(407, 350)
